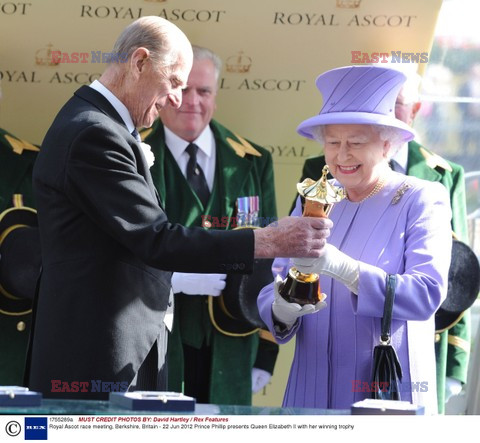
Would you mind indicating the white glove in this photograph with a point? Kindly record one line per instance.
(198, 284)
(333, 263)
(288, 313)
(260, 379)
(452, 387)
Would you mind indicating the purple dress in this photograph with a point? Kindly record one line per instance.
(405, 230)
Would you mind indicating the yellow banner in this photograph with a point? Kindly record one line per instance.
(273, 50)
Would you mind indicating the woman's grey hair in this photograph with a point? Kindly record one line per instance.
(162, 38)
(201, 53)
(386, 133)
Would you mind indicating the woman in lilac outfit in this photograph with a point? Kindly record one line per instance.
(388, 223)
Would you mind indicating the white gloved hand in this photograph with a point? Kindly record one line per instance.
(288, 313)
(333, 263)
(452, 387)
(260, 379)
(198, 284)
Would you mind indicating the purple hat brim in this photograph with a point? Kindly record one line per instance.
(354, 118)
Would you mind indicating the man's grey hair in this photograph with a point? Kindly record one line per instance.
(162, 38)
(201, 53)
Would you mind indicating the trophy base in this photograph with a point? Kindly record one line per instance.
(301, 288)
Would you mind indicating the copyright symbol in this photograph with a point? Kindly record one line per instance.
(13, 428)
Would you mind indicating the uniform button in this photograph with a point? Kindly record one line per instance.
(21, 326)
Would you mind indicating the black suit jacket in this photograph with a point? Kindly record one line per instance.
(106, 244)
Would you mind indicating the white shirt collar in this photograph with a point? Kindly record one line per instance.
(177, 145)
(401, 159)
(205, 156)
(116, 103)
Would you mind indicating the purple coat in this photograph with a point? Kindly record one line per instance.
(405, 230)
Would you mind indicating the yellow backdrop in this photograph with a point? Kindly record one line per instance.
(272, 50)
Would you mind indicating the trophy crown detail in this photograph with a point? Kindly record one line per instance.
(320, 191)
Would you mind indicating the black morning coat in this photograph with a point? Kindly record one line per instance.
(107, 249)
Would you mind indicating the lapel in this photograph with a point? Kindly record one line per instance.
(102, 104)
(232, 170)
(157, 143)
(14, 168)
(417, 164)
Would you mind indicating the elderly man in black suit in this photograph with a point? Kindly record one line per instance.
(107, 245)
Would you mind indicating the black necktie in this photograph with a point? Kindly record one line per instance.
(136, 135)
(195, 175)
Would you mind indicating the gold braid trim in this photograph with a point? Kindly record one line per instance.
(459, 343)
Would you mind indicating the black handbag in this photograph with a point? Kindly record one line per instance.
(387, 371)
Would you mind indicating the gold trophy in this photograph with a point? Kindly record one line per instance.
(320, 196)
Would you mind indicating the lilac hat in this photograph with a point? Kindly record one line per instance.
(362, 95)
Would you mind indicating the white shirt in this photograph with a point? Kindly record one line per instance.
(401, 159)
(205, 155)
(116, 103)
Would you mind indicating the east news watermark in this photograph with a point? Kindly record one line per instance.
(384, 386)
(58, 57)
(359, 57)
(88, 386)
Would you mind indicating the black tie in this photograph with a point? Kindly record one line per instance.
(195, 175)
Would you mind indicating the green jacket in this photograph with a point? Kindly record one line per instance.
(453, 345)
(238, 174)
(16, 164)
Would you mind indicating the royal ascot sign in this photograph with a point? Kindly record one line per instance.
(272, 50)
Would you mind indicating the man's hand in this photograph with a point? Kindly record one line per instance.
(292, 237)
(198, 284)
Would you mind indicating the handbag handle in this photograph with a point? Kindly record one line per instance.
(388, 308)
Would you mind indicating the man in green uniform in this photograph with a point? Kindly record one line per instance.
(452, 345)
(16, 164)
(208, 176)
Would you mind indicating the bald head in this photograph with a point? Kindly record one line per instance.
(155, 58)
(164, 40)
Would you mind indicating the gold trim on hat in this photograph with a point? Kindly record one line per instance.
(15, 314)
(225, 310)
(451, 325)
(3, 236)
(18, 204)
(7, 231)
